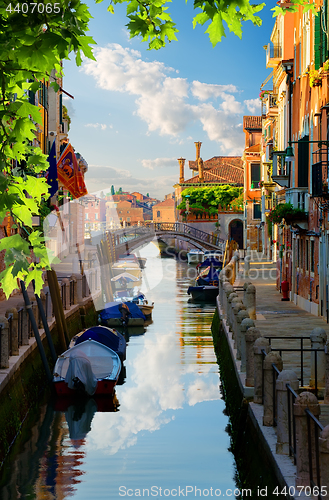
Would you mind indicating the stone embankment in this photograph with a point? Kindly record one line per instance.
(280, 356)
(22, 375)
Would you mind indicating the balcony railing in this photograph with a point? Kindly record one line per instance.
(280, 171)
(298, 197)
(273, 54)
(269, 104)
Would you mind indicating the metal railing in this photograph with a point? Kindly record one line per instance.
(10, 333)
(315, 438)
(20, 313)
(63, 294)
(302, 350)
(124, 235)
(71, 292)
(275, 374)
(291, 396)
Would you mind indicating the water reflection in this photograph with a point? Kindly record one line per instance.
(170, 427)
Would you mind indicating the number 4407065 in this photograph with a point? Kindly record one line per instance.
(29, 8)
(301, 490)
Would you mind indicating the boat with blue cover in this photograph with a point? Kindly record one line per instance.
(207, 283)
(107, 336)
(121, 314)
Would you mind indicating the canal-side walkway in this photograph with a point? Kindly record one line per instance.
(285, 321)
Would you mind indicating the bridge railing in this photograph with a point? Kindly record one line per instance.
(132, 232)
(182, 228)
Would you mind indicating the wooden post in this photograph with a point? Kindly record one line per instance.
(58, 307)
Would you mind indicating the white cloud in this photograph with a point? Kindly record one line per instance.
(204, 91)
(102, 126)
(222, 127)
(163, 102)
(100, 178)
(159, 162)
(253, 106)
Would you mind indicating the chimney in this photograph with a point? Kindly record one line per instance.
(198, 147)
(181, 162)
(200, 168)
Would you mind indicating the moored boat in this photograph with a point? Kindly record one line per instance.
(104, 335)
(194, 256)
(205, 293)
(121, 314)
(88, 368)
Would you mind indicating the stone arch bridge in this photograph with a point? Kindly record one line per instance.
(127, 239)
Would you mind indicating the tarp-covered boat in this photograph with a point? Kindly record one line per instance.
(107, 336)
(121, 313)
(88, 368)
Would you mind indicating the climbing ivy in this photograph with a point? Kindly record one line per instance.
(209, 199)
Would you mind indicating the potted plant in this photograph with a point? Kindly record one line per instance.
(287, 212)
(315, 78)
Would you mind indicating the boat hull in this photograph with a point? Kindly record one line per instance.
(103, 388)
(86, 369)
(118, 322)
(203, 293)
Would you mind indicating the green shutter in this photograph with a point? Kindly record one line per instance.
(317, 41)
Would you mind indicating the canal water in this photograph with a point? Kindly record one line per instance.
(164, 432)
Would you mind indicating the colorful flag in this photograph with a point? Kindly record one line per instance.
(69, 173)
(51, 174)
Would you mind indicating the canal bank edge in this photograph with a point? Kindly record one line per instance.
(252, 445)
(255, 470)
(24, 381)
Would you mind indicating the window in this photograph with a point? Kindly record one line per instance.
(96, 216)
(86, 216)
(128, 219)
(158, 213)
(312, 256)
(307, 260)
(257, 211)
(255, 175)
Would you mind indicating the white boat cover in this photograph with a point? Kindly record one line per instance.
(88, 361)
(80, 367)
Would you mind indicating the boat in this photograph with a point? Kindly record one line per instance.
(88, 368)
(209, 274)
(121, 314)
(204, 293)
(131, 257)
(104, 335)
(125, 281)
(126, 266)
(206, 284)
(194, 256)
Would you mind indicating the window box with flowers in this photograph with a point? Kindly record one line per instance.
(287, 212)
(315, 78)
(263, 94)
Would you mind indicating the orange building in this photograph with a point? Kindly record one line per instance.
(252, 127)
(164, 211)
(129, 214)
(298, 54)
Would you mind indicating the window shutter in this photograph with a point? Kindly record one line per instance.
(317, 41)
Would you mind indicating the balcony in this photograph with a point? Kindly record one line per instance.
(299, 198)
(269, 105)
(280, 172)
(320, 179)
(273, 55)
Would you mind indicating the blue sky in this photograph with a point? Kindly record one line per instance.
(136, 111)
